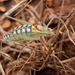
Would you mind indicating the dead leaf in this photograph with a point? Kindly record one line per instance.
(3, 0)
(32, 20)
(9, 29)
(17, 24)
(19, 1)
(6, 24)
(2, 8)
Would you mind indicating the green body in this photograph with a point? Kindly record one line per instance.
(26, 32)
(22, 35)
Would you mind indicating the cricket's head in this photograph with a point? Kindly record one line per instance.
(49, 30)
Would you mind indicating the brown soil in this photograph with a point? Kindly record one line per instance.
(65, 51)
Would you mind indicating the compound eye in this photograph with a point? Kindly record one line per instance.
(47, 29)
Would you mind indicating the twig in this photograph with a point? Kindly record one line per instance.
(25, 63)
(59, 20)
(72, 29)
(7, 55)
(22, 8)
(68, 60)
(1, 68)
(69, 19)
(12, 9)
(60, 46)
(65, 40)
(29, 6)
(59, 61)
(70, 68)
(16, 1)
(32, 14)
(66, 23)
(22, 13)
(55, 65)
(60, 16)
(42, 9)
(37, 5)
